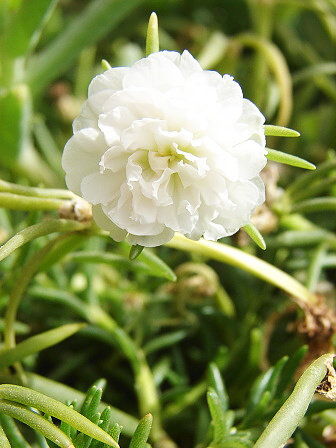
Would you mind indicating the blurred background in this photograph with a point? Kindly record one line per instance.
(282, 52)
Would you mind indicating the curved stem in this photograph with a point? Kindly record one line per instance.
(144, 382)
(145, 388)
(286, 420)
(242, 260)
(262, 19)
(40, 229)
(18, 290)
(278, 66)
(316, 266)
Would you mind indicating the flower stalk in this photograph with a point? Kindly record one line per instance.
(17, 292)
(247, 262)
(41, 229)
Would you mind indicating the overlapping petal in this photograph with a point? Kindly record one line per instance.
(164, 147)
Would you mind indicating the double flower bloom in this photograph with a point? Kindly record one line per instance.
(164, 147)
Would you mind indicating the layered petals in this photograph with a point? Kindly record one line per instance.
(164, 147)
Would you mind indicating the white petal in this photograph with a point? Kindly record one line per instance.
(101, 188)
(140, 135)
(154, 72)
(81, 156)
(111, 79)
(152, 240)
(114, 159)
(102, 221)
(251, 158)
(186, 63)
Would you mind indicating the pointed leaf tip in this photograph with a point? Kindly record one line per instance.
(289, 159)
(135, 251)
(255, 235)
(152, 38)
(280, 131)
(105, 64)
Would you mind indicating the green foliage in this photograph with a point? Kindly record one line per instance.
(37, 343)
(199, 342)
(14, 124)
(67, 433)
(24, 27)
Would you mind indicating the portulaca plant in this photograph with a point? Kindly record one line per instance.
(164, 147)
(166, 153)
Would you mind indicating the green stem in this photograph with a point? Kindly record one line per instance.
(318, 69)
(18, 290)
(296, 222)
(36, 422)
(278, 66)
(316, 265)
(17, 202)
(286, 420)
(262, 17)
(144, 382)
(51, 193)
(249, 263)
(302, 238)
(41, 229)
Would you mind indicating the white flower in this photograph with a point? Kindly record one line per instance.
(164, 147)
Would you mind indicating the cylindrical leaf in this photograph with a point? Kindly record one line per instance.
(285, 421)
(53, 407)
(36, 422)
(141, 434)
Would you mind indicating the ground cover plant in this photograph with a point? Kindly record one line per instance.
(157, 336)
